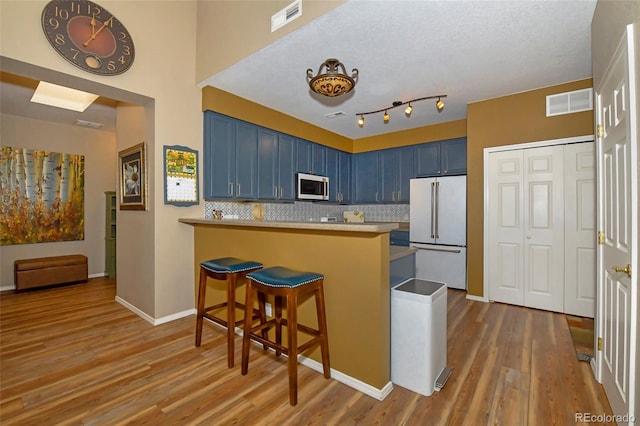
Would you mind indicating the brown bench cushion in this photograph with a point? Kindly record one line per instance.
(46, 271)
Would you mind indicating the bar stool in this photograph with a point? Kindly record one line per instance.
(229, 269)
(289, 284)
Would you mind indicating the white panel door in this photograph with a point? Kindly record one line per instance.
(543, 243)
(580, 229)
(617, 132)
(505, 255)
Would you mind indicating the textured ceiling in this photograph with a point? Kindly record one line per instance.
(469, 50)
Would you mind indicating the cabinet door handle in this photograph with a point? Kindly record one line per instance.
(238, 184)
(230, 189)
(393, 196)
(398, 196)
(281, 191)
(376, 197)
(275, 191)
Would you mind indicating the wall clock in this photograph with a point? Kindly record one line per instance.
(88, 36)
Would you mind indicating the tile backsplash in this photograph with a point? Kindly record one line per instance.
(303, 211)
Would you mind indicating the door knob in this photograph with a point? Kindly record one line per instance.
(625, 269)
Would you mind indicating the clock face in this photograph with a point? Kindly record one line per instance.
(88, 36)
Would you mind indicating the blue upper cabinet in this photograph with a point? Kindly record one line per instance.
(276, 158)
(303, 156)
(286, 163)
(365, 178)
(454, 156)
(230, 158)
(319, 159)
(338, 170)
(246, 161)
(396, 169)
(448, 157)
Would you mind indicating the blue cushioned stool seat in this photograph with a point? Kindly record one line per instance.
(285, 286)
(230, 265)
(279, 276)
(233, 271)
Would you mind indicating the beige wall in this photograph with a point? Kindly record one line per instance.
(509, 120)
(229, 31)
(161, 80)
(98, 148)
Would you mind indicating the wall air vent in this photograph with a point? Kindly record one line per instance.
(570, 102)
(286, 15)
(91, 124)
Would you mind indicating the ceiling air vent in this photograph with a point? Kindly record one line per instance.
(334, 114)
(286, 15)
(570, 102)
(85, 123)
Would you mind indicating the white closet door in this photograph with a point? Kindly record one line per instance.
(544, 228)
(580, 229)
(505, 256)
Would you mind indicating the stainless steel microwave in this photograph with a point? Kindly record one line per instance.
(311, 187)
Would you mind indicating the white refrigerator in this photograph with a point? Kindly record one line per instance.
(438, 229)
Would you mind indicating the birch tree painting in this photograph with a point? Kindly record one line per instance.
(42, 196)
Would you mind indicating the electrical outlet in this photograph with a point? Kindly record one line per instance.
(267, 308)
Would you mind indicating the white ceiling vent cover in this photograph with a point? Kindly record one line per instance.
(570, 102)
(286, 15)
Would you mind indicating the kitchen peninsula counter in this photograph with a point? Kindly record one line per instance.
(354, 259)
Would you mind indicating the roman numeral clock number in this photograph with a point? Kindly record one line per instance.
(88, 36)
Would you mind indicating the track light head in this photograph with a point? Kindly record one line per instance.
(386, 117)
(408, 110)
(439, 105)
(361, 121)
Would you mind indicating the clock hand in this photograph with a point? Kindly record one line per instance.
(93, 37)
(93, 25)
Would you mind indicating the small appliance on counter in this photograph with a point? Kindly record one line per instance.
(328, 219)
(353, 216)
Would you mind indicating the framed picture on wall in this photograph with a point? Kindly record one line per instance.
(133, 178)
(180, 176)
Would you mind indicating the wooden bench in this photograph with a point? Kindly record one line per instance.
(48, 271)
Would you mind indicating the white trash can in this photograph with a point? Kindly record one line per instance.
(418, 334)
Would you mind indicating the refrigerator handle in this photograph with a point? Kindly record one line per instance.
(437, 209)
(433, 201)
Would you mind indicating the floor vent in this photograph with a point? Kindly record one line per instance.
(570, 102)
(286, 15)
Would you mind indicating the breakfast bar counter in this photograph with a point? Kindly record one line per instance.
(354, 259)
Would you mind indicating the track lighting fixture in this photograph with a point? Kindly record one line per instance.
(408, 110)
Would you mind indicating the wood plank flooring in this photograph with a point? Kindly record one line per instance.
(73, 356)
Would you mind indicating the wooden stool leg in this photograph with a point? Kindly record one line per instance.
(292, 343)
(322, 327)
(202, 290)
(262, 300)
(278, 315)
(231, 317)
(247, 328)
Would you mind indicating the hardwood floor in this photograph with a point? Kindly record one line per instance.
(72, 355)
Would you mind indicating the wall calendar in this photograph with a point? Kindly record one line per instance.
(180, 176)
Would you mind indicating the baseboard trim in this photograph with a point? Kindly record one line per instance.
(7, 287)
(358, 385)
(150, 319)
(477, 298)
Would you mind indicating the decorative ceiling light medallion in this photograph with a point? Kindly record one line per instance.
(334, 81)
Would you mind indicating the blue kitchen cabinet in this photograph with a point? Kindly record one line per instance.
(275, 165)
(387, 176)
(230, 158)
(303, 156)
(246, 161)
(406, 171)
(454, 156)
(395, 168)
(448, 157)
(365, 178)
(286, 164)
(338, 170)
(267, 164)
(319, 159)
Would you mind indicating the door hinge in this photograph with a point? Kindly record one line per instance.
(600, 237)
(599, 130)
(600, 343)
